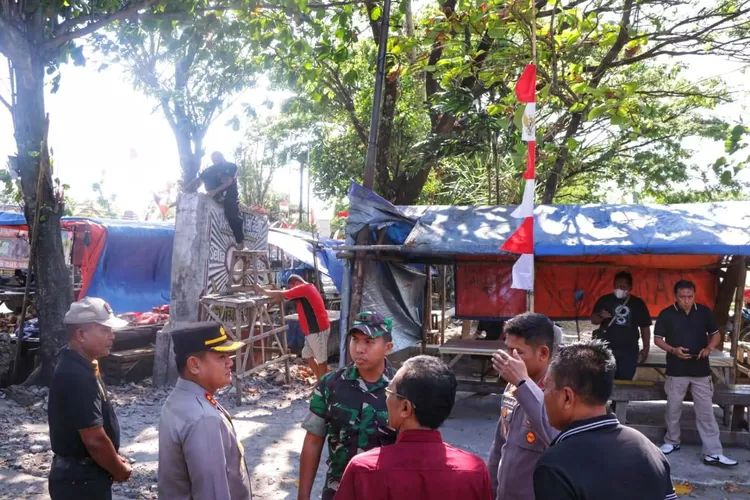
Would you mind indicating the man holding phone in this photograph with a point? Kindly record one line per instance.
(688, 332)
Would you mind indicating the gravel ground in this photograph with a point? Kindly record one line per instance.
(25, 448)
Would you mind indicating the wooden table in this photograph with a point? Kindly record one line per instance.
(459, 347)
(721, 363)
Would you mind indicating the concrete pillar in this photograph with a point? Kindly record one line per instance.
(203, 244)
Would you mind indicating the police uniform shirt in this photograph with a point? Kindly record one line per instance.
(598, 458)
(523, 433)
(77, 401)
(200, 457)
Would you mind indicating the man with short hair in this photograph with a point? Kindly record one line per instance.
(313, 320)
(688, 332)
(348, 406)
(83, 427)
(419, 466)
(523, 432)
(200, 455)
(594, 457)
(622, 318)
(220, 180)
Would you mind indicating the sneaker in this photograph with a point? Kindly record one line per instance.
(720, 460)
(667, 448)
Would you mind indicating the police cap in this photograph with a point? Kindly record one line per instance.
(200, 337)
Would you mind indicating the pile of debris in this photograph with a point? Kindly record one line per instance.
(157, 316)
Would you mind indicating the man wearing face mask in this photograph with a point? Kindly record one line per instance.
(622, 318)
(419, 466)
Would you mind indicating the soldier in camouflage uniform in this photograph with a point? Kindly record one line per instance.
(348, 406)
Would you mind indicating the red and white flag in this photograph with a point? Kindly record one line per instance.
(522, 239)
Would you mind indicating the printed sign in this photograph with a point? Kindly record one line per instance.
(221, 245)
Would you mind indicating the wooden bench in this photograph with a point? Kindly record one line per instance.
(131, 365)
(736, 396)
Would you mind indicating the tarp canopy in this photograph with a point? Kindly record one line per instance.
(560, 230)
(126, 263)
(298, 245)
(578, 249)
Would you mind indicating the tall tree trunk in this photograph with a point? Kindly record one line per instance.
(54, 291)
(190, 160)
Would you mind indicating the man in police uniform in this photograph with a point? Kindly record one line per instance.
(523, 430)
(348, 406)
(200, 456)
(83, 427)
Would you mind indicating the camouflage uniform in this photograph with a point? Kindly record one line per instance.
(353, 415)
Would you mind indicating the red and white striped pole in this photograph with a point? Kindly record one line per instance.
(522, 239)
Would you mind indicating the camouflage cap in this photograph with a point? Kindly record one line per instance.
(373, 325)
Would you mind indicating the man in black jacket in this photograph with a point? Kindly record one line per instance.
(594, 457)
(220, 180)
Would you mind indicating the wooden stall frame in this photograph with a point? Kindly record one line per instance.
(254, 308)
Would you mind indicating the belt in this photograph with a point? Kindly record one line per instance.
(60, 460)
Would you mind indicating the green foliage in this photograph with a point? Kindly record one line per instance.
(191, 59)
(609, 106)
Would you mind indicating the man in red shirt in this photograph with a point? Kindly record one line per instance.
(313, 320)
(419, 466)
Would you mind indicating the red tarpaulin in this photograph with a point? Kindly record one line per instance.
(483, 289)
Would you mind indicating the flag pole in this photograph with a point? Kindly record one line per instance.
(530, 293)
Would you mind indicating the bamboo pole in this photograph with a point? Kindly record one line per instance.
(34, 233)
(738, 299)
(442, 306)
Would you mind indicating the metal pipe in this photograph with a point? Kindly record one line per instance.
(377, 98)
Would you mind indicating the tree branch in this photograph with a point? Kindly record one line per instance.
(64, 35)
(13, 44)
(6, 104)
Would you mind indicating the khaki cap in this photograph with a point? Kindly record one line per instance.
(93, 310)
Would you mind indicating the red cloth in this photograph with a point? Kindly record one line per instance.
(530, 161)
(522, 240)
(418, 467)
(526, 85)
(313, 317)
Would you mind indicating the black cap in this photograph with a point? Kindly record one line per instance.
(199, 337)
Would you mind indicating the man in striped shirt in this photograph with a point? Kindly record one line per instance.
(313, 320)
(594, 457)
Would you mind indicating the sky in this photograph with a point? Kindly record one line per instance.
(103, 129)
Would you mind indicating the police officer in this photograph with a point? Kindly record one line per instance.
(200, 456)
(83, 427)
(348, 406)
(523, 430)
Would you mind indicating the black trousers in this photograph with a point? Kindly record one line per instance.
(78, 480)
(627, 362)
(233, 215)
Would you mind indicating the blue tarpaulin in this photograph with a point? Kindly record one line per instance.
(134, 270)
(721, 228)
(297, 244)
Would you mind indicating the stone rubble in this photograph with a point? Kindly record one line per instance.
(24, 434)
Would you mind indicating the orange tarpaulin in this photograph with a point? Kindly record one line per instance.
(483, 289)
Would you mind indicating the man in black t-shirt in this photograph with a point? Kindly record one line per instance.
(83, 427)
(683, 330)
(623, 318)
(220, 180)
(594, 457)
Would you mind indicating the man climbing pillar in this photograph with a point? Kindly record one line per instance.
(220, 180)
